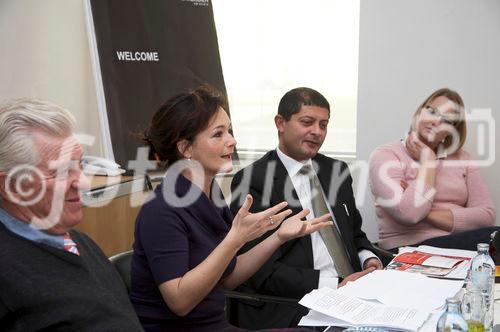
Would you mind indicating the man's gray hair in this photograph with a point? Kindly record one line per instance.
(19, 118)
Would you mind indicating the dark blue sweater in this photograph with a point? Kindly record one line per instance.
(45, 288)
(172, 236)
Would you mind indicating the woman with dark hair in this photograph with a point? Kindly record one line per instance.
(427, 189)
(186, 240)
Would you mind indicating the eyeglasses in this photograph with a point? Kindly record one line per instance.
(446, 119)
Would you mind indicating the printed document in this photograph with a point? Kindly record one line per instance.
(352, 311)
(457, 272)
(402, 289)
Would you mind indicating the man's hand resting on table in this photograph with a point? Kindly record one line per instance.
(370, 265)
(373, 262)
(355, 276)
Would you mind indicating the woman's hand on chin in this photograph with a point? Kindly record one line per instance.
(418, 150)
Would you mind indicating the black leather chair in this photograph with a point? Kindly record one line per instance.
(233, 297)
(123, 264)
(123, 261)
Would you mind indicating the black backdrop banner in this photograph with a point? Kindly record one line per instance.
(149, 50)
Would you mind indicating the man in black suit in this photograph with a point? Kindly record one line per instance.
(304, 264)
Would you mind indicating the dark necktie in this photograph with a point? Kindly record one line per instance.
(330, 235)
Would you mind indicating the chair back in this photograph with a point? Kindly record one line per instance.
(123, 264)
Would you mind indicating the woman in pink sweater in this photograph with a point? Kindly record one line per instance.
(427, 190)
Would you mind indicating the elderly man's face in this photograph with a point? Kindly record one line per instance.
(59, 208)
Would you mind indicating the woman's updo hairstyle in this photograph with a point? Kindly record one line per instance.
(182, 116)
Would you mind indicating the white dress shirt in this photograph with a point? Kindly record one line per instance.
(323, 261)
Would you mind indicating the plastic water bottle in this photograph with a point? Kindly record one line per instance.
(473, 308)
(483, 277)
(451, 320)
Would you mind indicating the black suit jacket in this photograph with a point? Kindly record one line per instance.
(290, 270)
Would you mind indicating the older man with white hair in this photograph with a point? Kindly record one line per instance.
(51, 277)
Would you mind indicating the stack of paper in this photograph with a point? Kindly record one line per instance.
(386, 298)
(401, 289)
(423, 258)
(432, 261)
(342, 310)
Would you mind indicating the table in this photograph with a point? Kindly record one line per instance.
(110, 208)
(430, 325)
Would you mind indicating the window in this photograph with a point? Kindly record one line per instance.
(268, 47)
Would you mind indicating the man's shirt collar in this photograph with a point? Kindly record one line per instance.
(292, 166)
(29, 232)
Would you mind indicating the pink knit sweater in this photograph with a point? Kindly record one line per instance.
(402, 212)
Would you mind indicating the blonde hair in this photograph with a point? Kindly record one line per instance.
(460, 125)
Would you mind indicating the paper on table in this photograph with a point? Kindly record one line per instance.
(447, 252)
(314, 318)
(402, 289)
(362, 313)
(427, 259)
(431, 323)
(460, 271)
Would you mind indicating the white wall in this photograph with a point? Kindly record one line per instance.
(410, 48)
(45, 54)
(407, 49)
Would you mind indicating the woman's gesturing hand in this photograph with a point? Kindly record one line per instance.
(294, 227)
(248, 226)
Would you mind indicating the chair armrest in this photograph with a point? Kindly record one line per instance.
(259, 297)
